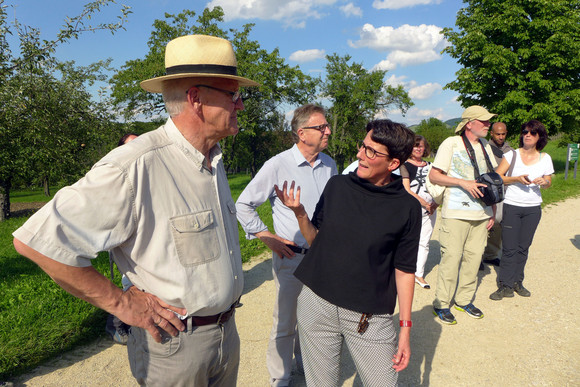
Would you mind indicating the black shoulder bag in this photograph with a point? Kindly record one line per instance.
(493, 191)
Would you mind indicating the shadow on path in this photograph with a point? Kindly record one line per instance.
(257, 275)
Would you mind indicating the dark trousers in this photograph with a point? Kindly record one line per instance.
(518, 228)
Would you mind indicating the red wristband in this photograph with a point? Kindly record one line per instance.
(406, 323)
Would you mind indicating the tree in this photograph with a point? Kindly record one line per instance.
(46, 114)
(126, 90)
(357, 95)
(435, 131)
(520, 60)
(262, 118)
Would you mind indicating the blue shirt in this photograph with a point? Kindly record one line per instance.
(289, 166)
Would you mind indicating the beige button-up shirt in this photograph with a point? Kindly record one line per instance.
(169, 222)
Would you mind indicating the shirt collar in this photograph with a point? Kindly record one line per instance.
(189, 150)
(300, 159)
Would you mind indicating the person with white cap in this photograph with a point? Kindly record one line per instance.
(465, 220)
(163, 207)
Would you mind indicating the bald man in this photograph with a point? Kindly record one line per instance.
(499, 146)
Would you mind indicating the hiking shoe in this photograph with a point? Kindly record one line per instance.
(493, 262)
(445, 316)
(471, 310)
(119, 334)
(520, 290)
(501, 292)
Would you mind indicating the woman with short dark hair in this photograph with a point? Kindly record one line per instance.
(522, 209)
(363, 240)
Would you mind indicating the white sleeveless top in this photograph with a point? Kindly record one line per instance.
(518, 194)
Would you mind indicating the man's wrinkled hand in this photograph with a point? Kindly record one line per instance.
(276, 244)
(144, 310)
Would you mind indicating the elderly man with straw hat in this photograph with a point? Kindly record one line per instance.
(465, 220)
(162, 205)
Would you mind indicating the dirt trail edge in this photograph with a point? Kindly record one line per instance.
(519, 342)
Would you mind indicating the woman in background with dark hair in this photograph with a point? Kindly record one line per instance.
(522, 209)
(414, 172)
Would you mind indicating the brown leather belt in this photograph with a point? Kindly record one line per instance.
(220, 318)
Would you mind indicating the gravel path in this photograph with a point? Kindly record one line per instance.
(521, 341)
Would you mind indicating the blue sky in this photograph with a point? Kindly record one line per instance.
(401, 36)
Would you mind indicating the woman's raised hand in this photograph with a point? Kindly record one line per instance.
(289, 199)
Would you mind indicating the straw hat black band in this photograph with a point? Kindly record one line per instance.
(192, 56)
(202, 69)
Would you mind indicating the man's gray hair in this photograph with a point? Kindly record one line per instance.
(175, 94)
(301, 117)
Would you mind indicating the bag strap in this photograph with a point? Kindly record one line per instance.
(471, 154)
(512, 164)
(498, 153)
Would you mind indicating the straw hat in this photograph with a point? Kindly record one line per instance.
(198, 56)
(474, 112)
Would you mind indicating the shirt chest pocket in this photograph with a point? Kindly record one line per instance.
(195, 237)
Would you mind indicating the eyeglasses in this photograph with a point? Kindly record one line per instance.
(236, 95)
(370, 152)
(532, 132)
(321, 128)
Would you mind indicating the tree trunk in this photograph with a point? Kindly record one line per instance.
(46, 186)
(5, 198)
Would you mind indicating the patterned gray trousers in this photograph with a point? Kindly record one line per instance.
(324, 327)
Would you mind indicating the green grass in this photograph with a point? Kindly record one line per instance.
(32, 195)
(560, 189)
(250, 248)
(39, 320)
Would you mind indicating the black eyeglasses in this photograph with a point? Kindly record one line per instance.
(532, 132)
(236, 95)
(370, 152)
(321, 128)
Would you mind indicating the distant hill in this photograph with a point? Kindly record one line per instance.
(452, 123)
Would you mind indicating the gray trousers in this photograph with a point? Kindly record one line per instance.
(202, 356)
(284, 342)
(325, 327)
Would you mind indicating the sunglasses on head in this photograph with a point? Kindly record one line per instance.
(532, 132)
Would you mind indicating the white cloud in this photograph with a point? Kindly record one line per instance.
(416, 115)
(397, 4)
(395, 81)
(307, 55)
(292, 12)
(424, 91)
(405, 38)
(408, 45)
(351, 10)
(405, 58)
(384, 65)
